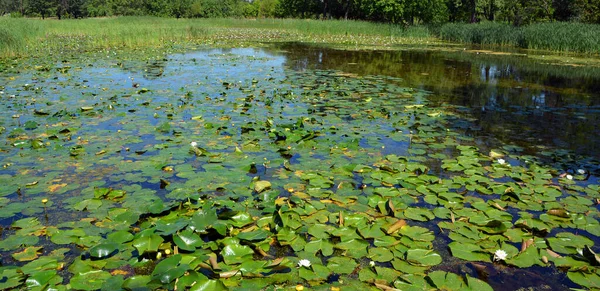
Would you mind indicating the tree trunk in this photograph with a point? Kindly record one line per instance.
(325, 9)
(347, 9)
(492, 10)
(473, 11)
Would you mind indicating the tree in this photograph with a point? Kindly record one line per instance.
(40, 7)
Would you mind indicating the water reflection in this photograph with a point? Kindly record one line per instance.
(514, 99)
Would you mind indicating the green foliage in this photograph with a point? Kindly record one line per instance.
(557, 36)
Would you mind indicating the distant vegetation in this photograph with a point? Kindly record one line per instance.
(26, 36)
(406, 12)
(559, 25)
(556, 36)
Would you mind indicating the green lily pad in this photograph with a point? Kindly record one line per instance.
(423, 257)
(469, 252)
(28, 254)
(103, 250)
(235, 253)
(586, 279)
(169, 269)
(187, 240)
(147, 243)
(90, 280)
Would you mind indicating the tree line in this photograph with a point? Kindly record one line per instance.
(406, 12)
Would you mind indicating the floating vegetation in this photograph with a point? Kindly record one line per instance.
(222, 169)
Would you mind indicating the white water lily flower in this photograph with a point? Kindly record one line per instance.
(501, 161)
(581, 171)
(194, 144)
(500, 255)
(569, 177)
(304, 263)
(372, 264)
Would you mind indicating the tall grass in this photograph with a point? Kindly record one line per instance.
(563, 36)
(555, 36)
(34, 36)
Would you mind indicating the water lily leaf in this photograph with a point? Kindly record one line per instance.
(469, 252)
(187, 240)
(494, 227)
(103, 250)
(235, 253)
(478, 285)
(341, 265)
(209, 285)
(387, 274)
(568, 243)
(42, 278)
(169, 269)
(322, 245)
(115, 282)
(88, 204)
(91, 280)
(380, 254)
(319, 230)
(120, 237)
(413, 282)
(371, 231)
(314, 273)
(423, 257)
(588, 280)
(148, 243)
(419, 214)
(256, 235)
(139, 282)
(41, 264)
(28, 254)
(203, 219)
(260, 186)
(241, 219)
(405, 267)
(355, 248)
(527, 258)
(446, 280)
(10, 278)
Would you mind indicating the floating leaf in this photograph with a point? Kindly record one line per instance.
(147, 243)
(28, 254)
(260, 186)
(103, 250)
(423, 257)
(90, 280)
(187, 240)
(469, 252)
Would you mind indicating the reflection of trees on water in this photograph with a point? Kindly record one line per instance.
(513, 100)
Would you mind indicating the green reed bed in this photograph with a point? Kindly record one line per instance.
(561, 36)
(555, 36)
(34, 36)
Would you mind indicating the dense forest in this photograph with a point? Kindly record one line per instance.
(407, 12)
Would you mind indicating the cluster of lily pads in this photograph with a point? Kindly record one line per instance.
(213, 170)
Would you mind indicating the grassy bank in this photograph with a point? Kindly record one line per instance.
(19, 37)
(26, 37)
(555, 36)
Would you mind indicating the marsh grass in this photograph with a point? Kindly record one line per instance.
(35, 36)
(554, 36)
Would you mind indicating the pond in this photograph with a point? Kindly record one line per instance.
(290, 165)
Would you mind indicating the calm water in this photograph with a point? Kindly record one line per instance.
(512, 98)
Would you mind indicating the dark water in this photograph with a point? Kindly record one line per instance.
(512, 98)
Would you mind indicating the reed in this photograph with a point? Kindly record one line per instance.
(23, 36)
(553, 36)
